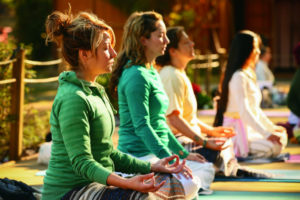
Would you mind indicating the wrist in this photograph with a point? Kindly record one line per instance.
(153, 167)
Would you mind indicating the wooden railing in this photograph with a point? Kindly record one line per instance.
(207, 62)
(18, 82)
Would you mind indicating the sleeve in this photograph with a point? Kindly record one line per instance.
(238, 84)
(175, 89)
(176, 147)
(128, 164)
(265, 120)
(137, 93)
(73, 116)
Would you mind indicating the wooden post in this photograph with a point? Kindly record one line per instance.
(17, 103)
(208, 73)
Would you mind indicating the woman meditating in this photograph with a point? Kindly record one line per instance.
(239, 103)
(142, 101)
(83, 161)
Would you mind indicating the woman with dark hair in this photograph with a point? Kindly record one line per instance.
(239, 103)
(83, 159)
(182, 110)
(143, 131)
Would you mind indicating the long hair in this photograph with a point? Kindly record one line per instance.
(174, 34)
(85, 32)
(240, 50)
(139, 24)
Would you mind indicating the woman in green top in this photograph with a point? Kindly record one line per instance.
(83, 160)
(142, 101)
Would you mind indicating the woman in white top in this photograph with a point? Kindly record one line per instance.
(239, 103)
(182, 110)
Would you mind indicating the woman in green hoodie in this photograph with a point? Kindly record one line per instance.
(83, 160)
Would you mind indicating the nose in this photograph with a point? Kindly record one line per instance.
(113, 53)
(167, 41)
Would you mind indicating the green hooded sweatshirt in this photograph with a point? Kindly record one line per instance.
(82, 124)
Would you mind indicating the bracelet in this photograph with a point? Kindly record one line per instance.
(204, 143)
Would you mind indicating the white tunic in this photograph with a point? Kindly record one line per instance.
(244, 99)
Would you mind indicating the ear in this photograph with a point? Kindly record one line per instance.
(84, 55)
(143, 40)
(172, 52)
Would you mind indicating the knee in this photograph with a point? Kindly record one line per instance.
(190, 186)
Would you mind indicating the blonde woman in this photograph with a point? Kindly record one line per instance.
(83, 160)
(142, 101)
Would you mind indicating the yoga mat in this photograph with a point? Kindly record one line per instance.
(41, 173)
(269, 113)
(293, 159)
(288, 176)
(280, 158)
(240, 195)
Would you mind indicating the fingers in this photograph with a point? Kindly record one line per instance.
(168, 159)
(179, 167)
(186, 172)
(225, 132)
(146, 177)
(189, 171)
(274, 139)
(200, 158)
(154, 188)
(150, 186)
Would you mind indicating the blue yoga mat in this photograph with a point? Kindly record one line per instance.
(288, 176)
(241, 195)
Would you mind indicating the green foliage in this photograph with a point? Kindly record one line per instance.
(9, 3)
(104, 81)
(203, 100)
(36, 126)
(184, 18)
(30, 26)
(6, 52)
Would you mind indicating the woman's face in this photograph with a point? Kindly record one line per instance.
(185, 48)
(157, 43)
(102, 62)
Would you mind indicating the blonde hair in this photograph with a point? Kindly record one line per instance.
(85, 32)
(139, 24)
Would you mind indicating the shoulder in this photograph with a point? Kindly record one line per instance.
(169, 73)
(70, 94)
(166, 70)
(239, 74)
(135, 74)
(238, 78)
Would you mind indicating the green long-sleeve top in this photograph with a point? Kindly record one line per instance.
(142, 107)
(82, 123)
(293, 99)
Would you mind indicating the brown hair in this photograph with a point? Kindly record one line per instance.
(85, 32)
(139, 24)
(174, 34)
